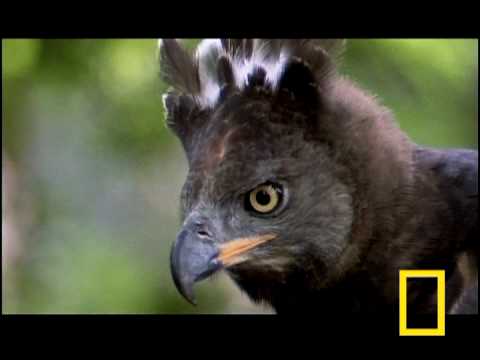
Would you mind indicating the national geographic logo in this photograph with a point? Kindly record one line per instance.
(440, 276)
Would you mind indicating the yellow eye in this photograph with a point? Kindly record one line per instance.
(265, 198)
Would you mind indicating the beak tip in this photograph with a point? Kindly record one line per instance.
(192, 301)
(185, 287)
(188, 294)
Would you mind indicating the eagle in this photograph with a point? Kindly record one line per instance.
(304, 190)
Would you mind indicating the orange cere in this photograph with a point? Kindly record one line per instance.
(230, 252)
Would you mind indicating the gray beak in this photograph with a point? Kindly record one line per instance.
(193, 258)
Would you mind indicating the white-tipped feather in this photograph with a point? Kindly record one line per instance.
(207, 54)
(273, 66)
(207, 46)
(164, 102)
(270, 55)
(276, 69)
(210, 50)
(165, 108)
(210, 93)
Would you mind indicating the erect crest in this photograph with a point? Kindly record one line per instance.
(219, 63)
(297, 69)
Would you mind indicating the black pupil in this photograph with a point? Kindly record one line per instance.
(262, 197)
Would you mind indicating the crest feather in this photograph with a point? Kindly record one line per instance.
(220, 62)
(178, 68)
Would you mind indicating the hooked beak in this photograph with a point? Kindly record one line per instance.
(194, 258)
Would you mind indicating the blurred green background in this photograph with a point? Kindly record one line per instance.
(91, 176)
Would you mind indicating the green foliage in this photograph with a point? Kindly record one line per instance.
(98, 174)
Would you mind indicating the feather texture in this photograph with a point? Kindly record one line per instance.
(178, 68)
(219, 62)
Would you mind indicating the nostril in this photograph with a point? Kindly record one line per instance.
(202, 230)
(203, 233)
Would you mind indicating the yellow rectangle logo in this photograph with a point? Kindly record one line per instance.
(440, 329)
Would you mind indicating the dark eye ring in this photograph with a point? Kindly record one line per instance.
(265, 198)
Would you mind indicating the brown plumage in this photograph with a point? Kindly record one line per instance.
(353, 200)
